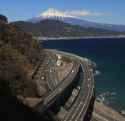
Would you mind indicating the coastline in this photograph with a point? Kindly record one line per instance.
(76, 38)
(102, 52)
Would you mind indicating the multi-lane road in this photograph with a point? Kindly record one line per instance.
(82, 73)
(80, 106)
(51, 97)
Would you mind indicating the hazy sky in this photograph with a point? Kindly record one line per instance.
(104, 11)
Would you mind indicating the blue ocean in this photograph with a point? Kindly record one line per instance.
(109, 55)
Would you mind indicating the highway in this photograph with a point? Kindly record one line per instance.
(79, 108)
(62, 86)
(52, 96)
(77, 111)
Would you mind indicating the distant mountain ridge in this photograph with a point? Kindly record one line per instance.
(59, 15)
(57, 28)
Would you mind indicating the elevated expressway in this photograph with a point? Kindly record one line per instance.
(78, 110)
(81, 104)
(59, 89)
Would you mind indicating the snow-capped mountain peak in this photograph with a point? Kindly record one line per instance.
(52, 12)
(73, 19)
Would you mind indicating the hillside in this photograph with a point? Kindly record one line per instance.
(19, 54)
(56, 28)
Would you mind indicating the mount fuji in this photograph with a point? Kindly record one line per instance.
(55, 14)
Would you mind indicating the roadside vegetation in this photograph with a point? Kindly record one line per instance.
(19, 54)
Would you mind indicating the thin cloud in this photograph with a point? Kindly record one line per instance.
(82, 13)
(71, 13)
